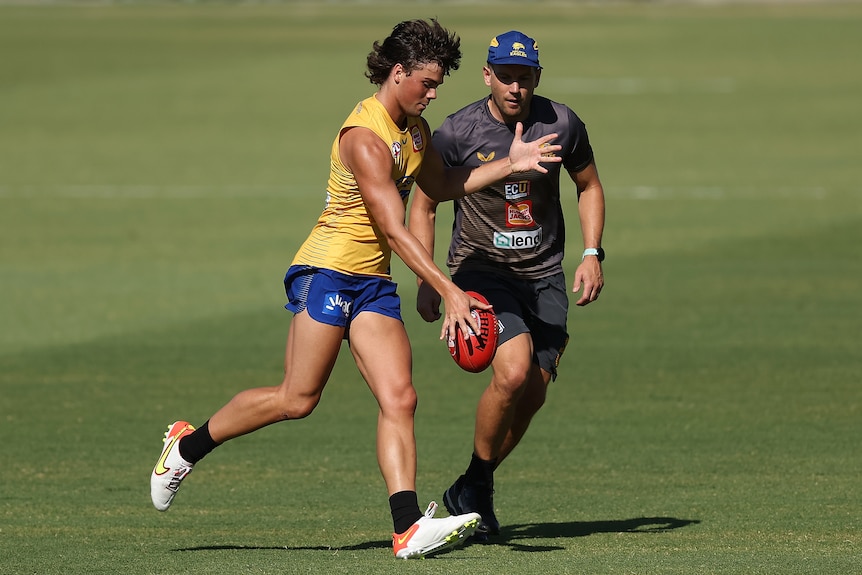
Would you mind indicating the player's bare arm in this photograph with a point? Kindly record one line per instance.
(370, 161)
(589, 279)
(421, 222)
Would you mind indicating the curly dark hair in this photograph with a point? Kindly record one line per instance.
(412, 44)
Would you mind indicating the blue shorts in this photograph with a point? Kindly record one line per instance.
(335, 298)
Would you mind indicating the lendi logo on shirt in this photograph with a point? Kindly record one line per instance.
(483, 158)
(518, 240)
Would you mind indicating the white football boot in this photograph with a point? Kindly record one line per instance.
(171, 468)
(429, 535)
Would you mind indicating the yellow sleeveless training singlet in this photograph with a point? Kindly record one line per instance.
(346, 238)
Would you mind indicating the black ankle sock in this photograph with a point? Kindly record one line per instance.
(405, 510)
(194, 446)
(480, 472)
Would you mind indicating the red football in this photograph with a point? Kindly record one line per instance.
(475, 353)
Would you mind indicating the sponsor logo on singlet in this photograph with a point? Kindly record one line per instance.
(519, 215)
(335, 303)
(416, 134)
(518, 240)
(516, 190)
(483, 158)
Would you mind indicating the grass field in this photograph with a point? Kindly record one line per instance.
(159, 165)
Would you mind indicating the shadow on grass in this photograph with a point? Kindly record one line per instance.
(509, 535)
(358, 547)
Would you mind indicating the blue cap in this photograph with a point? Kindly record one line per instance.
(514, 48)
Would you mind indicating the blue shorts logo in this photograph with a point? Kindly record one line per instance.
(336, 304)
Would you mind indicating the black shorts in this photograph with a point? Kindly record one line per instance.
(538, 307)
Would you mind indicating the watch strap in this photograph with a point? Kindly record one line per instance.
(598, 252)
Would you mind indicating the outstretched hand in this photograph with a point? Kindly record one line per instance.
(526, 156)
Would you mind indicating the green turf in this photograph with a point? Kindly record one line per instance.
(159, 165)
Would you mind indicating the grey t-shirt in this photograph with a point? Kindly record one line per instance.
(516, 226)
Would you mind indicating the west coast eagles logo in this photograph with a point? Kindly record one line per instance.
(518, 49)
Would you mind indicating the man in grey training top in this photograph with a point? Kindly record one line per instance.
(507, 244)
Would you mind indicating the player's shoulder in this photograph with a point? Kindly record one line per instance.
(544, 104)
(458, 125)
(471, 110)
(551, 112)
(364, 113)
(366, 107)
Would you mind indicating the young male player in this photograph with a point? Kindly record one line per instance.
(339, 284)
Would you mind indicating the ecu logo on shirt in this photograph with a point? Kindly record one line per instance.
(516, 190)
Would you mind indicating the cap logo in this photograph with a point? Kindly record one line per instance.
(518, 49)
(513, 48)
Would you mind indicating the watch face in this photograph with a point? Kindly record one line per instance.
(601, 255)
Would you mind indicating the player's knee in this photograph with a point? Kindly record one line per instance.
(298, 407)
(401, 403)
(511, 378)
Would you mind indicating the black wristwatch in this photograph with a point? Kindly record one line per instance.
(598, 252)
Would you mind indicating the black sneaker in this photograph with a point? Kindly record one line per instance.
(463, 497)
